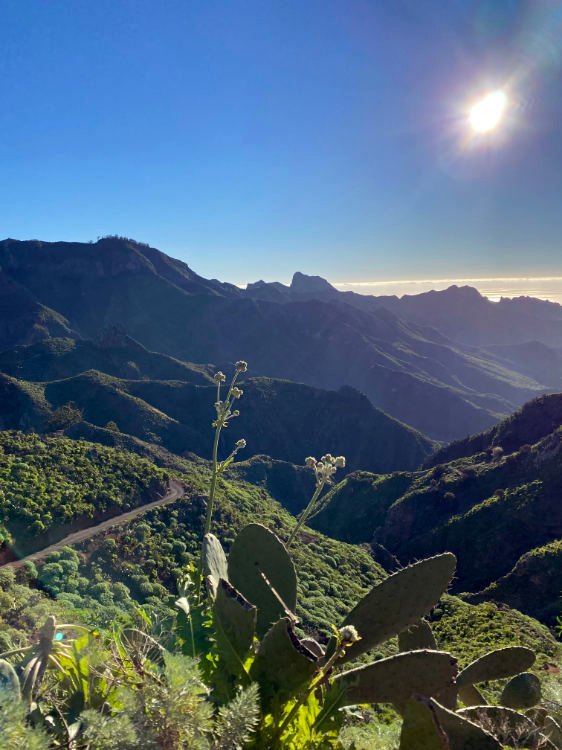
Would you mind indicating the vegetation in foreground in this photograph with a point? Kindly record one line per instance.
(233, 668)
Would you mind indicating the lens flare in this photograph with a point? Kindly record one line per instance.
(487, 113)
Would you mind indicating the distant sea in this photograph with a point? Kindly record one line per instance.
(544, 287)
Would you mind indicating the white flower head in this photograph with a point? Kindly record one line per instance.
(219, 377)
(349, 635)
(241, 366)
(240, 444)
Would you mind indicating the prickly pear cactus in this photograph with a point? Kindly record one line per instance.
(399, 601)
(427, 725)
(234, 620)
(522, 691)
(397, 678)
(495, 665)
(512, 729)
(471, 696)
(261, 569)
(416, 637)
(215, 565)
(283, 665)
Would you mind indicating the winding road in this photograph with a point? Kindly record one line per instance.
(175, 491)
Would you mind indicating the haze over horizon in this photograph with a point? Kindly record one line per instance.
(494, 288)
(545, 288)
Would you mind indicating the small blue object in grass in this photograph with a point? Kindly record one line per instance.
(59, 636)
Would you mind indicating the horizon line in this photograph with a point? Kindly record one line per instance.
(389, 282)
(474, 279)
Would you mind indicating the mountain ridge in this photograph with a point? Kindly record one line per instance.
(410, 371)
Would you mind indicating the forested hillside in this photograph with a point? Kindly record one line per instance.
(283, 419)
(499, 510)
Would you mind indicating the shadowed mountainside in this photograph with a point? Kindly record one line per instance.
(462, 314)
(535, 420)
(498, 510)
(283, 419)
(411, 372)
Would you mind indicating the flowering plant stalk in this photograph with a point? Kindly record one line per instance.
(324, 470)
(224, 412)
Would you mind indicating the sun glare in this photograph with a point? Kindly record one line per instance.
(487, 113)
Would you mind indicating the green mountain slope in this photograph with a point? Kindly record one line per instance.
(533, 421)
(49, 486)
(500, 513)
(532, 585)
(465, 506)
(283, 419)
(144, 558)
(113, 353)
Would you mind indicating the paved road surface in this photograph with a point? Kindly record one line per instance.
(175, 491)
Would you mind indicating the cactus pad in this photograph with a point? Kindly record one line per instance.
(462, 732)
(522, 691)
(511, 728)
(429, 726)
(234, 620)
(471, 696)
(504, 662)
(398, 678)
(255, 553)
(215, 566)
(312, 645)
(400, 601)
(416, 637)
(551, 730)
(282, 665)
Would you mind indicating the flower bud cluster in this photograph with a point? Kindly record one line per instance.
(224, 408)
(238, 446)
(348, 635)
(224, 413)
(326, 467)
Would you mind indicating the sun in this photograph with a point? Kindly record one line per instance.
(486, 114)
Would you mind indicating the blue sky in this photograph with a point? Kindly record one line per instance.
(252, 138)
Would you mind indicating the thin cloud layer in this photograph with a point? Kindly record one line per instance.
(542, 287)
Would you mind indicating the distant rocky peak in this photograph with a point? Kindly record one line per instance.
(261, 284)
(303, 284)
(465, 292)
